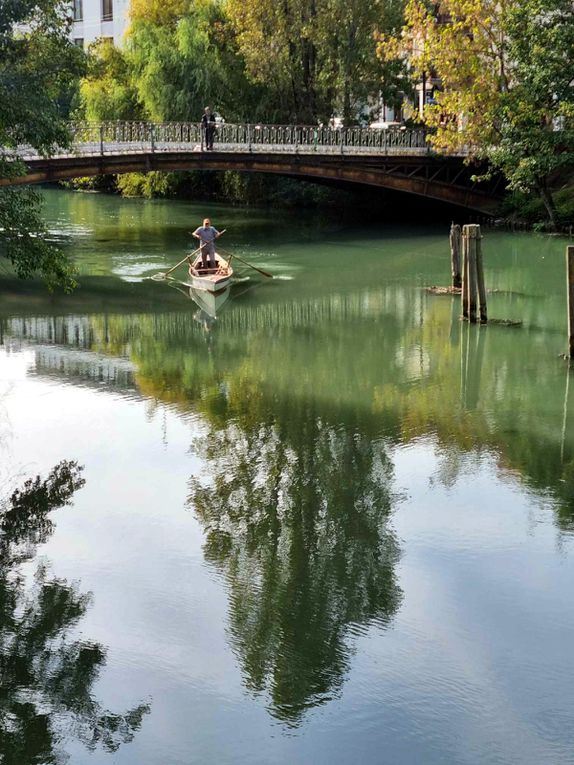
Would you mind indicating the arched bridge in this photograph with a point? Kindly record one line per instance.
(393, 158)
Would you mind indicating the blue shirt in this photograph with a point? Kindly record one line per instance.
(206, 233)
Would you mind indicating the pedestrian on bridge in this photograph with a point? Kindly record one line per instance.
(207, 235)
(208, 127)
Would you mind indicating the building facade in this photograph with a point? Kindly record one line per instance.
(99, 18)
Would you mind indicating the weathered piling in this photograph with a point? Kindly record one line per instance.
(470, 237)
(480, 280)
(472, 280)
(473, 287)
(464, 293)
(570, 295)
(455, 248)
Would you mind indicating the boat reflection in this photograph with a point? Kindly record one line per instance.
(210, 303)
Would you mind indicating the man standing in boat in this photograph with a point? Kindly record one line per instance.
(207, 235)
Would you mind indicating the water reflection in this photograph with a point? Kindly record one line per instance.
(47, 677)
(305, 392)
(471, 388)
(295, 511)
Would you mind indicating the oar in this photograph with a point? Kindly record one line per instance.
(164, 274)
(261, 271)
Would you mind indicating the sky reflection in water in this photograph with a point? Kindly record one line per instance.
(334, 524)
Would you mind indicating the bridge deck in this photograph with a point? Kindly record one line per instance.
(396, 159)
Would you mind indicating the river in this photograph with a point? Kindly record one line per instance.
(333, 525)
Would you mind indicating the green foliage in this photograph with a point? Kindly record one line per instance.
(506, 74)
(24, 240)
(530, 207)
(37, 69)
(107, 92)
(347, 39)
(105, 183)
(323, 52)
(182, 58)
(149, 185)
(536, 135)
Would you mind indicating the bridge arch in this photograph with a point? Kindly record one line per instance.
(394, 160)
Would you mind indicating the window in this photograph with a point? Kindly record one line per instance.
(79, 41)
(107, 10)
(78, 10)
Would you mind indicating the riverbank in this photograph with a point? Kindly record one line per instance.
(527, 210)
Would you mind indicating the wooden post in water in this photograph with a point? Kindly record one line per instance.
(480, 279)
(570, 294)
(455, 246)
(472, 281)
(470, 234)
(464, 293)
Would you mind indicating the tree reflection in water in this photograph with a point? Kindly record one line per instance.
(295, 512)
(46, 677)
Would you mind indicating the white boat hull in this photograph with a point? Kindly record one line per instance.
(206, 285)
(210, 280)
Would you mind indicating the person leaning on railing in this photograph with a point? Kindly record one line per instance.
(208, 127)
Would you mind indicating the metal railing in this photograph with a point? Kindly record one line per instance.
(107, 138)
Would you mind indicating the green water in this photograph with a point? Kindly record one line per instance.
(332, 525)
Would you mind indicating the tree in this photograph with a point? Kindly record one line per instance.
(537, 136)
(323, 52)
(182, 58)
(348, 41)
(37, 67)
(108, 92)
(287, 33)
(505, 70)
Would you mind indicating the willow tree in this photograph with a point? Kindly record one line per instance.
(38, 66)
(108, 92)
(182, 59)
(505, 70)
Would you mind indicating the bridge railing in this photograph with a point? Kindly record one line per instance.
(143, 137)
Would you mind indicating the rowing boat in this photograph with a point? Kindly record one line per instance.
(210, 279)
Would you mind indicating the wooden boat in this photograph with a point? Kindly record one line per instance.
(210, 279)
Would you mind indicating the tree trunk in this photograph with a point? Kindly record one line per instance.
(548, 201)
